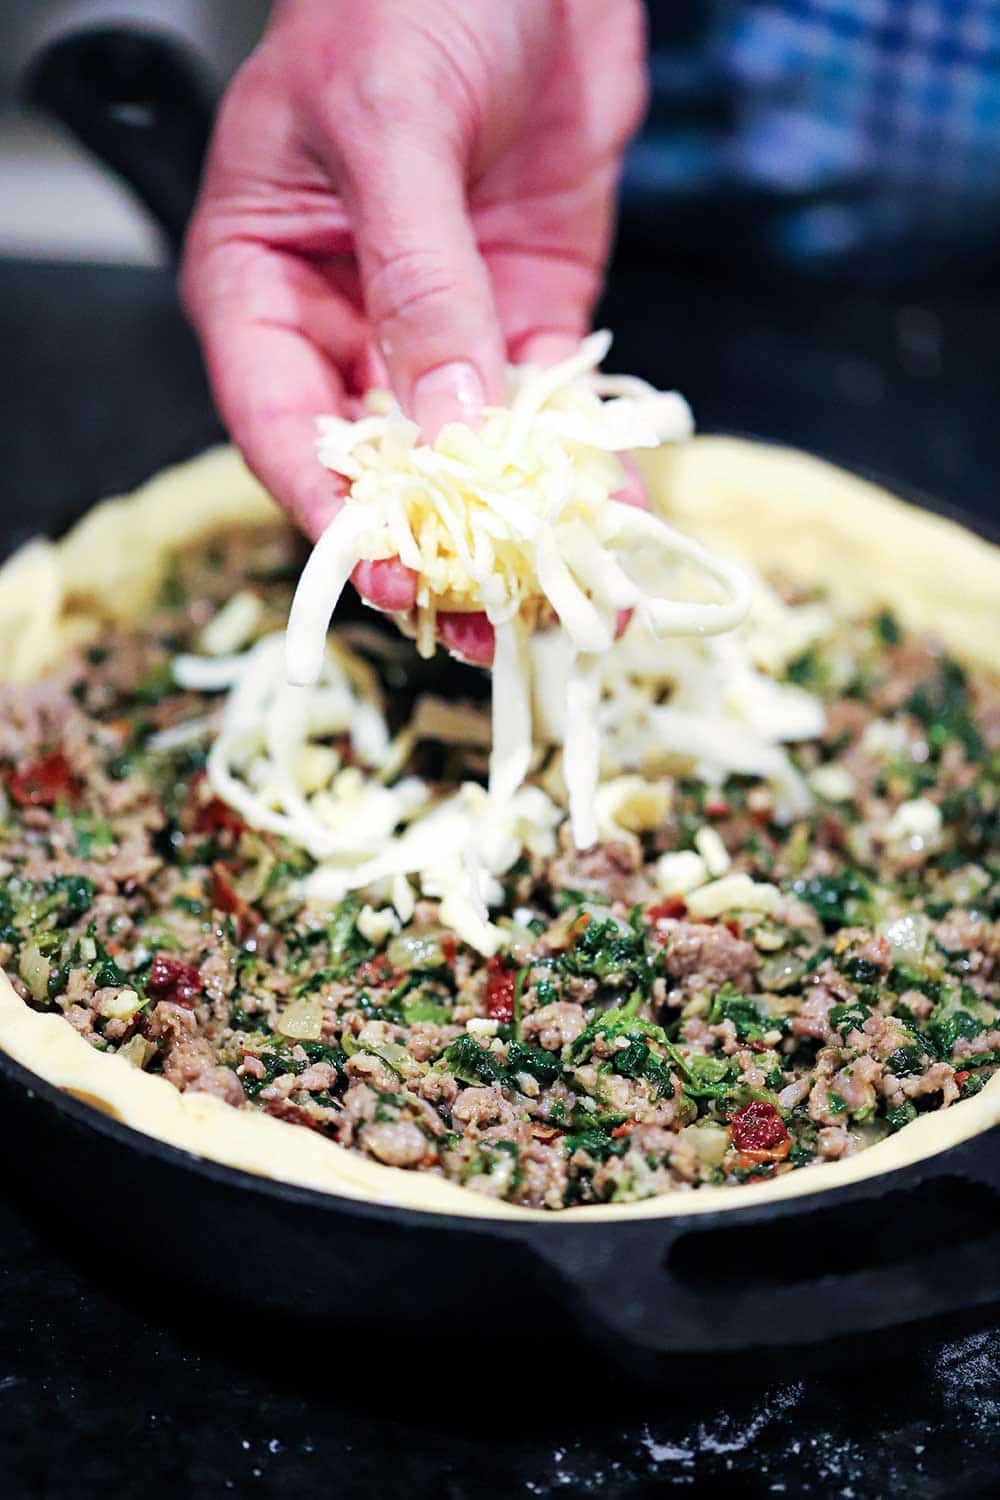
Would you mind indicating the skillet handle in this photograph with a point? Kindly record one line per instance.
(140, 101)
(790, 1276)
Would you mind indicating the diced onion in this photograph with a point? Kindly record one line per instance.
(303, 1019)
(679, 872)
(907, 935)
(34, 968)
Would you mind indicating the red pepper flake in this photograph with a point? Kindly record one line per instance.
(169, 976)
(377, 970)
(207, 813)
(216, 816)
(578, 925)
(758, 1127)
(769, 1159)
(224, 894)
(500, 991)
(225, 897)
(733, 926)
(625, 1128)
(673, 907)
(449, 947)
(44, 782)
(962, 1076)
(717, 807)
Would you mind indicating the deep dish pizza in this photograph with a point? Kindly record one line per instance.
(783, 949)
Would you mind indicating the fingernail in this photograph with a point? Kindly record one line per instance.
(449, 393)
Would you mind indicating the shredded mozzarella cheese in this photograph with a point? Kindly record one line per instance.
(517, 519)
(732, 893)
(680, 871)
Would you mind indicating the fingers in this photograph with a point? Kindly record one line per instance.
(633, 491)
(545, 303)
(387, 584)
(467, 636)
(427, 293)
(270, 380)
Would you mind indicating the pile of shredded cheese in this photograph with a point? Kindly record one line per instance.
(517, 519)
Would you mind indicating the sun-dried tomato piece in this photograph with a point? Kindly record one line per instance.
(757, 1127)
(225, 897)
(44, 782)
(672, 907)
(377, 970)
(216, 816)
(500, 991)
(169, 976)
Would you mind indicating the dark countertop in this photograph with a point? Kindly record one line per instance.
(118, 1387)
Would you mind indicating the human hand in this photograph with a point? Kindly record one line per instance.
(411, 192)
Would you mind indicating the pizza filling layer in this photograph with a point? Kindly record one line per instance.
(753, 971)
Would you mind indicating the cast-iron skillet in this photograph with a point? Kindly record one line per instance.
(818, 1275)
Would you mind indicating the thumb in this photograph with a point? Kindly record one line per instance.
(426, 288)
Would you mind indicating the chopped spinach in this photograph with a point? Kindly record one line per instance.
(746, 1015)
(348, 947)
(900, 1116)
(838, 900)
(850, 1017)
(943, 704)
(943, 1031)
(568, 897)
(887, 628)
(906, 1062)
(610, 954)
(155, 684)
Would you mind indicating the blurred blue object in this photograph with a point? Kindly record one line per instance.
(854, 136)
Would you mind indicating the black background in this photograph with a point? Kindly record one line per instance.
(116, 1383)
